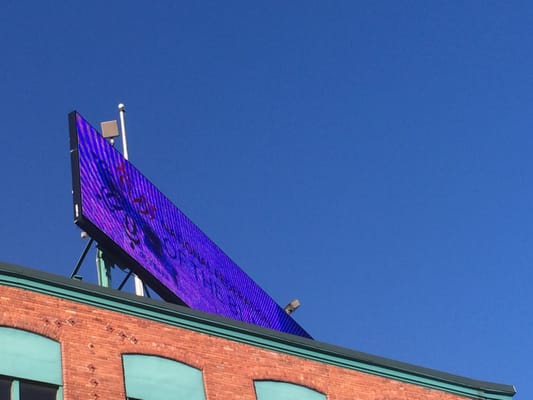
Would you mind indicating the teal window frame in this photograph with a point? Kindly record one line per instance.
(278, 390)
(27, 356)
(148, 377)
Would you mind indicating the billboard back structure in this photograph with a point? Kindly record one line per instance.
(136, 223)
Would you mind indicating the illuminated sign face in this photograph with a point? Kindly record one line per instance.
(122, 210)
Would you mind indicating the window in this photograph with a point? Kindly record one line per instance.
(158, 378)
(5, 388)
(17, 389)
(30, 367)
(272, 390)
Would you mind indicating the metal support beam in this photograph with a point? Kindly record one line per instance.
(125, 280)
(103, 268)
(82, 257)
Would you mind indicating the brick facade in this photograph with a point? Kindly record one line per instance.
(93, 339)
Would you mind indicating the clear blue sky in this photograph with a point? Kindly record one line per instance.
(371, 158)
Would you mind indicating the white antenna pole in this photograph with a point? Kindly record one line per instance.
(139, 288)
(122, 112)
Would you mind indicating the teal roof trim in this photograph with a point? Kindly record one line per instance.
(111, 299)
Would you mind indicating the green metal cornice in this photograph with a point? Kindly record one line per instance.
(183, 317)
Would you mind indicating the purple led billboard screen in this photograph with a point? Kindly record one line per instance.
(130, 218)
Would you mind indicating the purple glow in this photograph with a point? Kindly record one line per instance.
(125, 212)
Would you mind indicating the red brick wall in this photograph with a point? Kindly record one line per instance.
(92, 341)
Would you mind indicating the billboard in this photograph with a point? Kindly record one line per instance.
(136, 223)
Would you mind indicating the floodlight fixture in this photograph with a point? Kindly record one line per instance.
(109, 129)
(292, 306)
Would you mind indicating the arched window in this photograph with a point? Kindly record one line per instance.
(158, 378)
(273, 390)
(30, 366)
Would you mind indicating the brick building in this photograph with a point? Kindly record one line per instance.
(65, 339)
